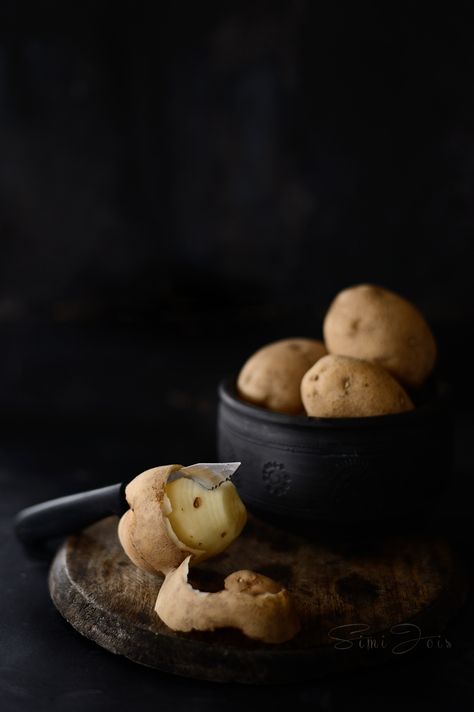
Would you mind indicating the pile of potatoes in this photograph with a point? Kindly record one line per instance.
(377, 349)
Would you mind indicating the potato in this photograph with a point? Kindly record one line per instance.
(174, 522)
(377, 325)
(167, 521)
(344, 387)
(271, 377)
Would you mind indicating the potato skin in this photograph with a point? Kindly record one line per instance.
(271, 377)
(377, 325)
(142, 530)
(344, 387)
(256, 605)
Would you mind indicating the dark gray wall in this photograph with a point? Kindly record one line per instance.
(231, 153)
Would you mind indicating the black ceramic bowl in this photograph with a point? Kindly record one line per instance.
(336, 470)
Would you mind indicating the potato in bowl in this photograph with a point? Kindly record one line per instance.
(376, 325)
(343, 387)
(374, 439)
(271, 377)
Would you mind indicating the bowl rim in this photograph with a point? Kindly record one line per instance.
(228, 394)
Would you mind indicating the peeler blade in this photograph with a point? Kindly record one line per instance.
(208, 474)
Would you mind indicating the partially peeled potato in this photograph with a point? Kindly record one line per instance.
(168, 521)
(175, 521)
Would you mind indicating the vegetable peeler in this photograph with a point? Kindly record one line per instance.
(65, 515)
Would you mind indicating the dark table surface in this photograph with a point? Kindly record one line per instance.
(88, 405)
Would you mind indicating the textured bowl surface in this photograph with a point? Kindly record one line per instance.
(335, 469)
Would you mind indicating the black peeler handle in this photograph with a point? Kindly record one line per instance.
(65, 515)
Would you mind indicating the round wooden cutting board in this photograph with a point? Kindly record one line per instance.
(358, 603)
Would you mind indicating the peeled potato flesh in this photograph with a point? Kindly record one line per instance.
(161, 513)
(206, 521)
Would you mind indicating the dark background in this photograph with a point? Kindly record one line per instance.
(233, 162)
(264, 151)
(179, 184)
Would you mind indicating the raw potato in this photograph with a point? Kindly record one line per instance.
(172, 522)
(271, 378)
(377, 325)
(205, 524)
(254, 604)
(157, 531)
(343, 387)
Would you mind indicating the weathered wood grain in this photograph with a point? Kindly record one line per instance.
(379, 584)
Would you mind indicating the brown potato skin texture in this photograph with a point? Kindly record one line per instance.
(258, 606)
(344, 387)
(272, 376)
(142, 530)
(374, 324)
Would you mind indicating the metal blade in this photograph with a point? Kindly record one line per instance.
(208, 474)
